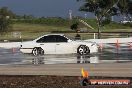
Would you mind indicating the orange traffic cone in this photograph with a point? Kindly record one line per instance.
(13, 50)
(101, 46)
(117, 44)
(130, 45)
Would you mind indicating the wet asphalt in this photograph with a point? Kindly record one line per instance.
(110, 61)
(107, 54)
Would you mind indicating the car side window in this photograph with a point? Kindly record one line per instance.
(46, 39)
(61, 39)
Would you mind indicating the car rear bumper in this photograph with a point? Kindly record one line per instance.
(26, 50)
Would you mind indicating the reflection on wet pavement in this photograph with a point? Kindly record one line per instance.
(105, 55)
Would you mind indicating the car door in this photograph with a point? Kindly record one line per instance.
(63, 46)
(47, 43)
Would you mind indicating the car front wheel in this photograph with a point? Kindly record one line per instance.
(83, 50)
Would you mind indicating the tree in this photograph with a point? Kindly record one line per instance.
(125, 8)
(102, 9)
(74, 26)
(5, 18)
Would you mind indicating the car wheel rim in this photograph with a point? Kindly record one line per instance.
(35, 52)
(81, 50)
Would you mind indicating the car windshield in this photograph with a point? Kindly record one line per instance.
(70, 37)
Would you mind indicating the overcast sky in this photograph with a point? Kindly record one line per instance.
(46, 8)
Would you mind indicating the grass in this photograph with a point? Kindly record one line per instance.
(37, 27)
(112, 27)
(29, 31)
(32, 31)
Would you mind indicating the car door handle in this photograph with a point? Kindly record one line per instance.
(41, 44)
(57, 44)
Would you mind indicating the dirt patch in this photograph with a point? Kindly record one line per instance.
(46, 82)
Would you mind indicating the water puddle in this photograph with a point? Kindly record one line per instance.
(105, 55)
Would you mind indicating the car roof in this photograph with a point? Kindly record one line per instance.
(47, 35)
(55, 34)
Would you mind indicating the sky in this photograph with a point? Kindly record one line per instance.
(46, 8)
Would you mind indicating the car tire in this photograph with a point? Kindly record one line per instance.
(83, 50)
(37, 51)
(40, 51)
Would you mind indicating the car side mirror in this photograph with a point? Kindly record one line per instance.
(69, 40)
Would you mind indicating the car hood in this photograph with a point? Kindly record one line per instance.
(85, 42)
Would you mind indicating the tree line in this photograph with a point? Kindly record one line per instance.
(7, 18)
(102, 9)
(56, 21)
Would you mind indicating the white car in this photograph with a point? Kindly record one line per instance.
(58, 44)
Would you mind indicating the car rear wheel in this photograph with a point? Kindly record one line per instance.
(37, 51)
(83, 50)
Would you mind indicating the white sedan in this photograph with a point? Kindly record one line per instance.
(58, 44)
